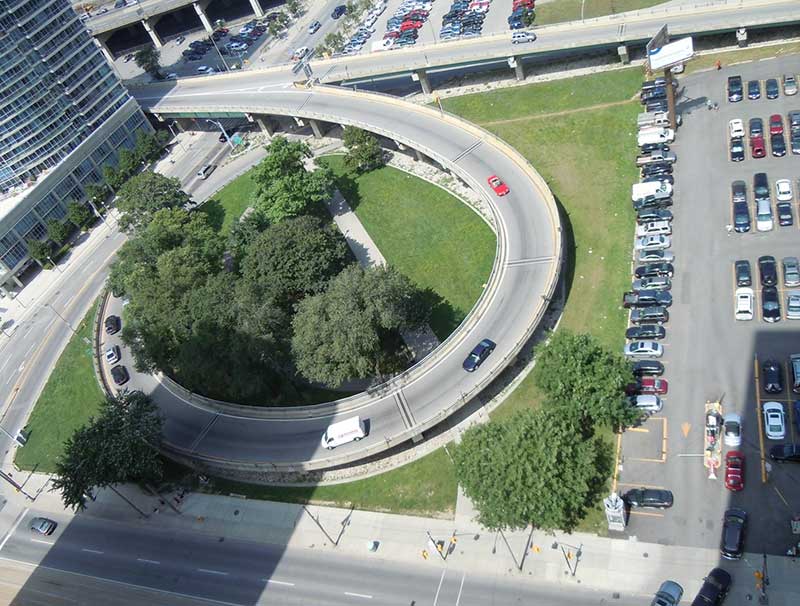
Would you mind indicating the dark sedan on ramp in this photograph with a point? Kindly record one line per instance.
(478, 355)
(648, 497)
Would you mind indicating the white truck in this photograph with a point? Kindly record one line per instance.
(651, 190)
(655, 135)
(343, 432)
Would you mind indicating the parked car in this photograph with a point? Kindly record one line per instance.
(734, 471)
(652, 243)
(745, 302)
(500, 188)
(791, 271)
(654, 227)
(648, 386)
(477, 356)
(785, 453)
(753, 89)
(736, 128)
(758, 148)
(643, 349)
(44, 526)
(653, 214)
(714, 589)
(776, 124)
(652, 203)
(741, 217)
(734, 88)
(112, 325)
(736, 150)
(648, 497)
(732, 429)
(113, 354)
(774, 420)
(770, 304)
(338, 11)
(772, 89)
(646, 331)
(789, 85)
(656, 314)
(793, 305)
(778, 145)
(669, 594)
(120, 375)
(646, 298)
(744, 276)
(785, 213)
(646, 404)
(768, 271)
(734, 524)
(653, 283)
(647, 368)
(654, 269)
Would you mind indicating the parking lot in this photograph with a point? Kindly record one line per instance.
(709, 355)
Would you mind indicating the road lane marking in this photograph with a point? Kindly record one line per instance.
(274, 582)
(358, 595)
(206, 570)
(641, 485)
(439, 588)
(760, 422)
(14, 527)
(785, 502)
(639, 429)
(29, 350)
(652, 514)
(458, 599)
(92, 551)
(685, 427)
(41, 541)
(144, 561)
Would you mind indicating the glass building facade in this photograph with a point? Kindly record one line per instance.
(63, 115)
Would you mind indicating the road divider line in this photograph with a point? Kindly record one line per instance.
(13, 528)
(780, 494)
(274, 582)
(206, 570)
(41, 541)
(358, 595)
(145, 561)
(92, 551)
(439, 588)
(460, 588)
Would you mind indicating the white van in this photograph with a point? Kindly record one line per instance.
(205, 171)
(522, 37)
(658, 135)
(651, 189)
(349, 430)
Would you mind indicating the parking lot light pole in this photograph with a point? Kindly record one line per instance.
(225, 63)
(227, 138)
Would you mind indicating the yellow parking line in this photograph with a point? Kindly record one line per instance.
(640, 429)
(760, 423)
(785, 502)
(652, 514)
(616, 462)
(641, 485)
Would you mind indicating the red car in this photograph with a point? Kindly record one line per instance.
(500, 188)
(522, 3)
(647, 386)
(734, 471)
(391, 35)
(776, 124)
(757, 147)
(416, 13)
(407, 25)
(223, 30)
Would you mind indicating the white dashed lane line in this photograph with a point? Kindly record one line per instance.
(358, 595)
(207, 571)
(145, 561)
(92, 551)
(274, 582)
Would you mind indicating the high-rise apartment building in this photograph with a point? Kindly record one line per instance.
(63, 115)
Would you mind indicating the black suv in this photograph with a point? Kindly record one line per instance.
(744, 277)
(112, 324)
(646, 298)
(741, 217)
(785, 453)
(646, 331)
(651, 270)
(731, 544)
(772, 88)
(760, 186)
(768, 270)
(734, 88)
(657, 314)
(772, 376)
(715, 588)
(120, 375)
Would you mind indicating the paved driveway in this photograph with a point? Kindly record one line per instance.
(708, 354)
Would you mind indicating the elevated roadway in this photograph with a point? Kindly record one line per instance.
(515, 298)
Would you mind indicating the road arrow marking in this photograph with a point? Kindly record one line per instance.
(685, 427)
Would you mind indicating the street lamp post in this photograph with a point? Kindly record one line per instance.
(225, 63)
(174, 136)
(62, 318)
(219, 125)
(49, 258)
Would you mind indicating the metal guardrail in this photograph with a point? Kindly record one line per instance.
(396, 383)
(96, 360)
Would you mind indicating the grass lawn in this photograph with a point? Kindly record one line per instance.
(69, 398)
(570, 10)
(426, 233)
(744, 54)
(228, 204)
(426, 487)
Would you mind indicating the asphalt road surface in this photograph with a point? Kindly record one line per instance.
(184, 565)
(708, 354)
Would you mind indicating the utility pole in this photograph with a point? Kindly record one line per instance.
(63, 319)
(219, 125)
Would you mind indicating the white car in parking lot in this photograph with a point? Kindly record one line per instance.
(654, 227)
(205, 69)
(647, 403)
(783, 190)
(774, 420)
(643, 349)
(736, 128)
(763, 215)
(652, 243)
(732, 423)
(745, 300)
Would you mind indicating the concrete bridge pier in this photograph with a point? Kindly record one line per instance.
(317, 128)
(257, 8)
(149, 27)
(421, 76)
(519, 69)
(419, 156)
(101, 39)
(264, 123)
(622, 51)
(200, 9)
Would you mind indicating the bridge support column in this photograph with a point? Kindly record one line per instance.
(519, 70)
(101, 42)
(622, 51)
(316, 128)
(152, 33)
(257, 8)
(421, 76)
(400, 146)
(264, 123)
(741, 37)
(203, 17)
(419, 156)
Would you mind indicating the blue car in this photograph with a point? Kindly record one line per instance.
(476, 357)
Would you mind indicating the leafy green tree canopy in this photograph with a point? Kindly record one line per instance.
(58, 232)
(148, 60)
(119, 445)
(78, 214)
(39, 250)
(364, 153)
(340, 333)
(578, 372)
(143, 195)
(534, 467)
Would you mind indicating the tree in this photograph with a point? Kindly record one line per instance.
(58, 232)
(350, 330)
(148, 60)
(578, 372)
(535, 467)
(528, 17)
(294, 7)
(284, 188)
(150, 146)
(40, 250)
(113, 177)
(143, 195)
(96, 193)
(78, 214)
(292, 259)
(364, 153)
(274, 28)
(119, 445)
(243, 232)
(128, 163)
(333, 41)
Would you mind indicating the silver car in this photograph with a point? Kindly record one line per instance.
(791, 271)
(654, 283)
(789, 85)
(793, 305)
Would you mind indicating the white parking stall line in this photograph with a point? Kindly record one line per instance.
(145, 561)
(274, 582)
(206, 570)
(41, 541)
(439, 588)
(92, 551)
(358, 595)
(461, 588)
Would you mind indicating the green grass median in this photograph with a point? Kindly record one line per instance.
(70, 396)
(559, 11)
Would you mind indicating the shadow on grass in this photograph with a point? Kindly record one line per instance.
(444, 318)
(568, 270)
(348, 187)
(215, 213)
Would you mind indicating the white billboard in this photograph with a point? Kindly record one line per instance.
(671, 54)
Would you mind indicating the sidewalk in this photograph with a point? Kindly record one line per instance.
(590, 561)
